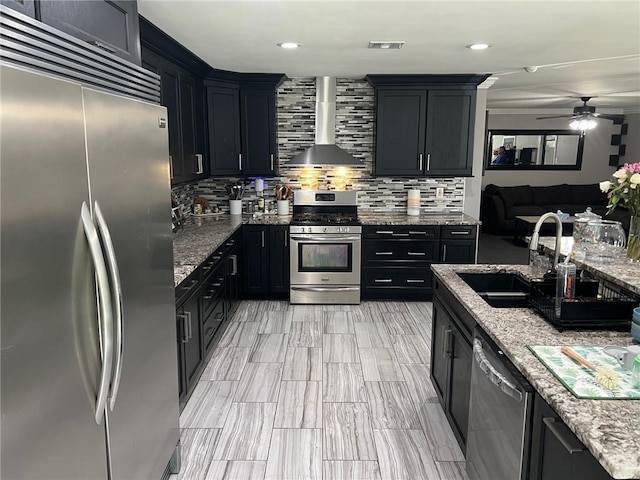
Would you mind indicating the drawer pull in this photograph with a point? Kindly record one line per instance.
(458, 232)
(384, 253)
(550, 422)
(209, 332)
(409, 280)
(411, 232)
(399, 234)
(385, 232)
(383, 280)
(416, 254)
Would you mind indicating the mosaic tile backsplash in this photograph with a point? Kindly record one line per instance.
(354, 133)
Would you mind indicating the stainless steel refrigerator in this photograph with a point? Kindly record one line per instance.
(88, 335)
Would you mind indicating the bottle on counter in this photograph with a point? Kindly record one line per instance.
(565, 285)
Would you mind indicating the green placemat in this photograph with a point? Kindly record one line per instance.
(580, 380)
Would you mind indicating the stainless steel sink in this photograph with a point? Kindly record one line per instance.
(499, 290)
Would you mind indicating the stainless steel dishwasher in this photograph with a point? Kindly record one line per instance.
(500, 413)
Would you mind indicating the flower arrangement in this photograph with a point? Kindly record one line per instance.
(624, 190)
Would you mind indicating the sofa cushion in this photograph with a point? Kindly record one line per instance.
(514, 196)
(524, 210)
(554, 194)
(491, 188)
(588, 195)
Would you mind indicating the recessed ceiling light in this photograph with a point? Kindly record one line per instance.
(289, 45)
(479, 46)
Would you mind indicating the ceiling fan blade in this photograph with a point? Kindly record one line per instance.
(607, 116)
(555, 116)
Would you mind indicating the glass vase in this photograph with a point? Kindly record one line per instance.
(633, 245)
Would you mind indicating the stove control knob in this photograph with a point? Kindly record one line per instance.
(309, 229)
(346, 229)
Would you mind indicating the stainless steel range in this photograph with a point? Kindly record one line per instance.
(325, 236)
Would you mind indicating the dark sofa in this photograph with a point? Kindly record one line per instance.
(500, 205)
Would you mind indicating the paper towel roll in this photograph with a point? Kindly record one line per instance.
(413, 202)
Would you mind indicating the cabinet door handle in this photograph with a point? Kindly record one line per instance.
(444, 252)
(239, 161)
(200, 163)
(446, 350)
(428, 162)
(409, 280)
(272, 161)
(383, 280)
(183, 328)
(286, 241)
(420, 159)
(209, 332)
(262, 233)
(103, 46)
(189, 326)
(416, 254)
(384, 253)
(234, 264)
(550, 422)
(192, 284)
(170, 167)
(461, 232)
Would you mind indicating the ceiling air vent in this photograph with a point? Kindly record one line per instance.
(386, 45)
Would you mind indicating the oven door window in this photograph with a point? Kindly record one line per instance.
(325, 257)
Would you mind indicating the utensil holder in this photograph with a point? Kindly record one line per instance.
(283, 207)
(235, 207)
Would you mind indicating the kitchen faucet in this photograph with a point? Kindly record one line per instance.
(533, 244)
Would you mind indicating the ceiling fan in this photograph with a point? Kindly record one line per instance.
(583, 117)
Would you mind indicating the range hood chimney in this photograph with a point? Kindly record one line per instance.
(325, 151)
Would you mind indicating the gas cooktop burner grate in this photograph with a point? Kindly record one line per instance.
(325, 219)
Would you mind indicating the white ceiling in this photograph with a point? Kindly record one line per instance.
(581, 47)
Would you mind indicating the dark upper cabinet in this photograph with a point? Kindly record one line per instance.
(26, 7)
(424, 124)
(241, 109)
(108, 24)
(449, 140)
(258, 131)
(400, 132)
(223, 114)
(181, 94)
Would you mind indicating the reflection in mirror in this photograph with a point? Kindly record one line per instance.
(535, 149)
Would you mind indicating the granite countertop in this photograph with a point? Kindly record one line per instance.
(373, 218)
(609, 428)
(621, 271)
(202, 235)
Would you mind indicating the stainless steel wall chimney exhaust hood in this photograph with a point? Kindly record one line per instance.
(325, 151)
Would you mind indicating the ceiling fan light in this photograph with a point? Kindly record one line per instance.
(583, 124)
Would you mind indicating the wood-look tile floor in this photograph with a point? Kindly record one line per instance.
(335, 392)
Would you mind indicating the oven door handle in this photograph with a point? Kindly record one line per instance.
(325, 289)
(493, 374)
(324, 238)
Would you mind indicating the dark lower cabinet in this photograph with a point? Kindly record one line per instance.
(233, 269)
(557, 454)
(459, 244)
(265, 252)
(451, 360)
(111, 25)
(190, 348)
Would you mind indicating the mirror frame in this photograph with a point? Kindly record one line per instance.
(489, 151)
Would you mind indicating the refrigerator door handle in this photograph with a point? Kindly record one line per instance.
(105, 315)
(116, 289)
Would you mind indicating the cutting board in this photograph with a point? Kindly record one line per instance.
(580, 380)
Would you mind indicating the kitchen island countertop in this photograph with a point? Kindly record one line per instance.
(609, 428)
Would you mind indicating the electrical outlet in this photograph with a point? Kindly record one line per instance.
(440, 192)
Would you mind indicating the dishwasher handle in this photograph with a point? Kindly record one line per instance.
(493, 374)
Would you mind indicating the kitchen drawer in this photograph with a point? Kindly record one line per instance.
(459, 232)
(213, 290)
(187, 287)
(212, 322)
(400, 250)
(431, 232)
(420, 278)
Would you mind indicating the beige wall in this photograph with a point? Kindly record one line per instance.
(595, 161)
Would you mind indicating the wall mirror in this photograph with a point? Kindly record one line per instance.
(534, 150)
